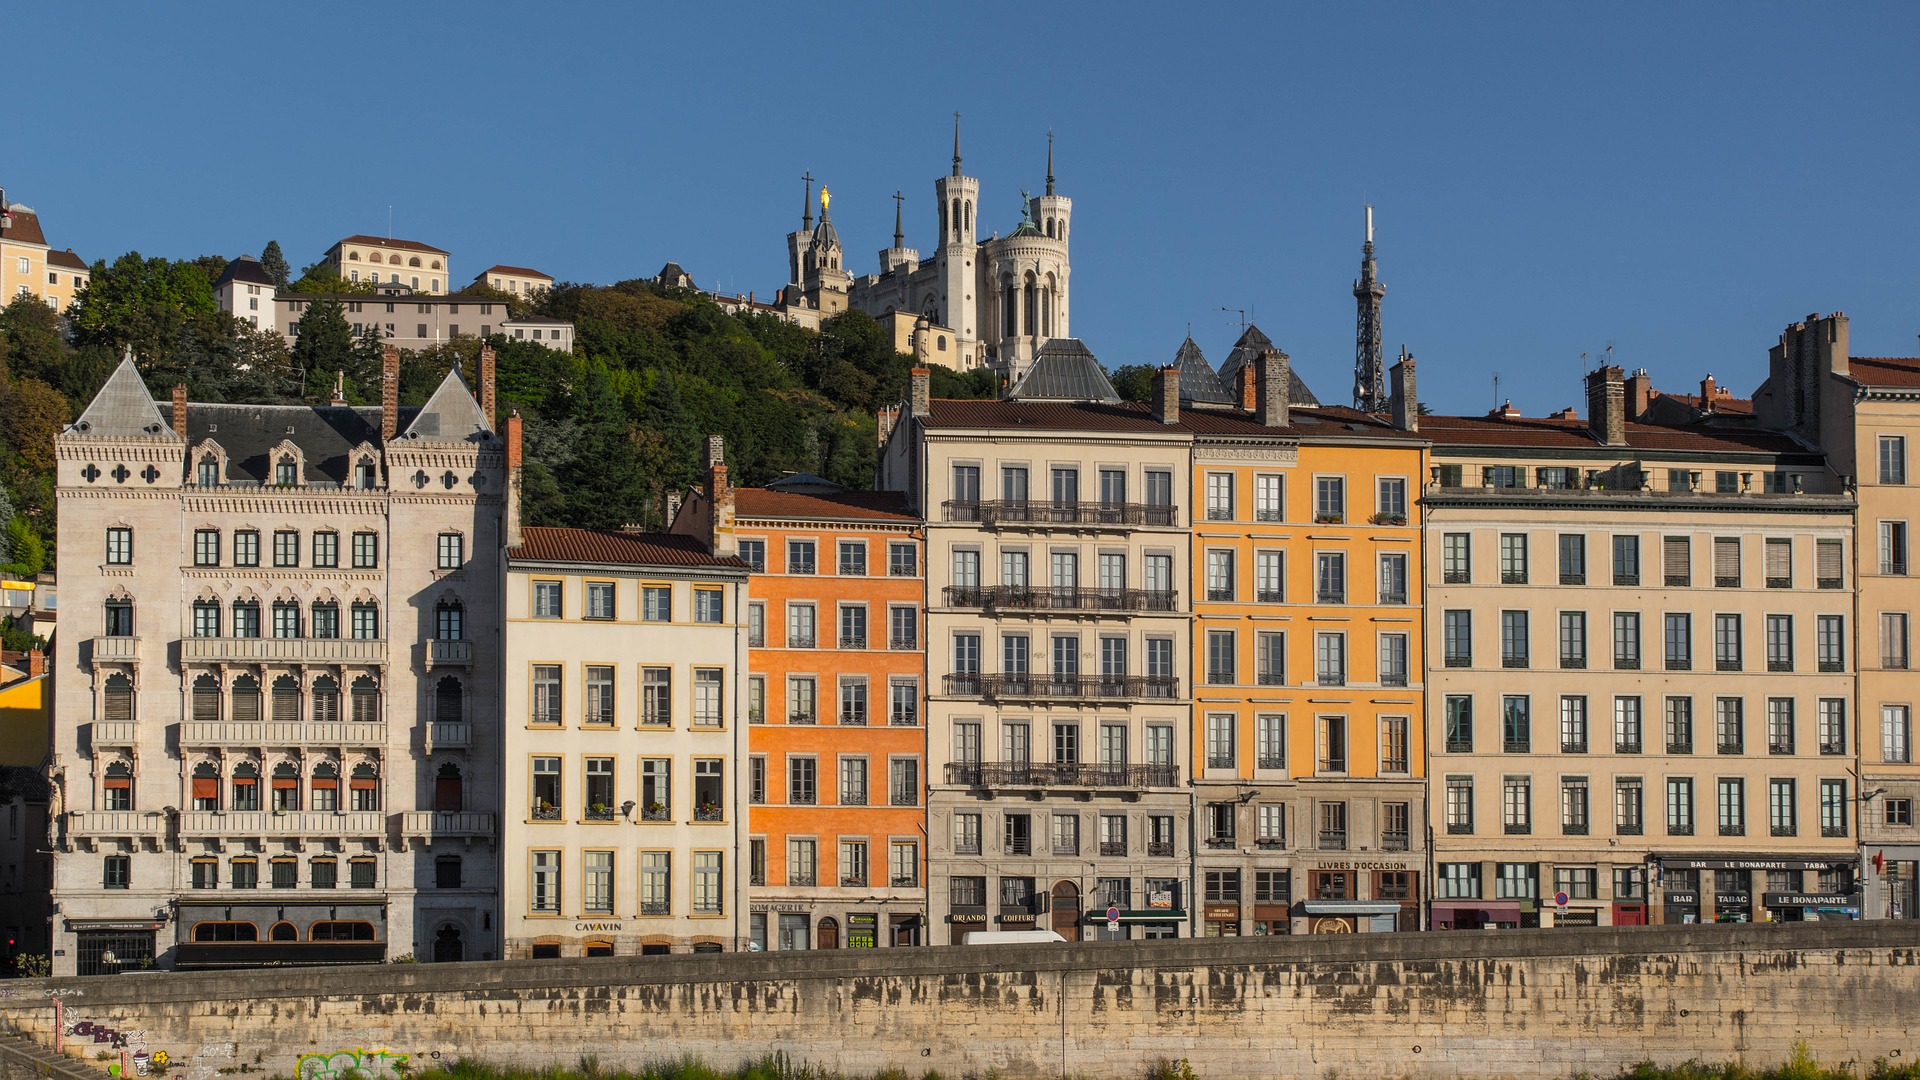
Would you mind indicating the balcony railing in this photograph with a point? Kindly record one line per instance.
(853, 641)
(216, 650)
(1894, 661)
(903, 643)
(1064, 598)
(1393, 841)
(1160, 849)
(281, 733)
(1333, 839)
(447, 824)
(1065, 687)
(210, 823)
(1018, 512)
(118, 650)
(756, 639)
(853, 717)
(661, 907)
(449, 734)
(1005, 774)
(903, 718)
(115, 823)
(1113, 848)
(449, 653)
(113, 733)
(799, 639)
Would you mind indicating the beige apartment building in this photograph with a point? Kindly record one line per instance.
(1640, 671)
(29, 266)
(624, 743)
(519, 280)
(1057, 641)
(386, 261)
(408, 319)
(1865, 413)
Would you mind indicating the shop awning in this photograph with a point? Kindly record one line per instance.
(1448, 912)
(1130, 915)
(1351, 907)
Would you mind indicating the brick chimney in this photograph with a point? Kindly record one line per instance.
(486, 384)
(513, 479)
(180, 410)
(1607, 405)
(389, 392)
(1166, 395)
(1276, 389)
(720, 532)
(1247, 385)
(1405, 406)
(1639, 395)
(921, 403)
(884, 420)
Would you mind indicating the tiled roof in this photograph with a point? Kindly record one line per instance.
(67, 259)
(1549, 434)
(1719, 403)
(822, 506)
(516, 271)
(382, 241)
(1885, 370)
(1065, 370)
(1323, 422)
(245, 268)
(1048, 415)
(541, 544)
(26, 227)
(535, 320)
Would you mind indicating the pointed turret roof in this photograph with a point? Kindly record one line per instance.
(824, 234)
(1198, 383)
(1064, 370)
(1247, 350)
(451, 414)
(123, 408)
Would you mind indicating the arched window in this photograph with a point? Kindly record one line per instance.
(447, 704)
(447, 948)
(366, 701)
(286, 618)
(353, 256)
(284, 472)
(449, 617)
(246, 618)
(206, 618)
(286, 699)
(325, 788)
(206, 787)
(366, 620)
(955, 217)
(969, 217)
(364, 788)
(941, 341)
(225, 931)
(447, 789)
(283, 931)
(326, 700)
(435, 266)
(246, 700)
(1009, 314)
(119, 786)
(119, 699)
(206, 699)
(326, 619)
(393, 260)
(414, 261)
(286, 787)
(1030, 307)
(246, 787)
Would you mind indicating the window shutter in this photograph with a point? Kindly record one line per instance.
(1676, 552)
(1828, 565)
(1726, 561)
(1780, 561)
(206, 787)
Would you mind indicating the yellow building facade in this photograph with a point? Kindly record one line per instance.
(30, 267)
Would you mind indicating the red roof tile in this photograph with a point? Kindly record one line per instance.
(1548, 434)
(382, 241)
(541, 544)
(835, 506)
(67, 259)
(26, 227)
(516, 271)
(1885, 370)
(1720, 403)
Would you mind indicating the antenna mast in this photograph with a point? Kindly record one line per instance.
(1369, 367)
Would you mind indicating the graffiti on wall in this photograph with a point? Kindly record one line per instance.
(355, 1064)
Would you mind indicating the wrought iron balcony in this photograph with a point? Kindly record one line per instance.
(1040, 775)
(1111, 848)
(1160, 849)
(1393, 841)
(1065, 687)
(1064, 598)
(904, 718)
(1018, 513)
(853, 641)
(903, 643)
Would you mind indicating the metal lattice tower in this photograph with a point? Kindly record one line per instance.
(1369, 367)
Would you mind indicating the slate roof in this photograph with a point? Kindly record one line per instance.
(672, 272)
(605, 547)
(245, 268)
(1089, 416)
(324, 433)
(26, 227)
(824, 233)
(1198, 383)
(1311, 422)
(1064, 370)
(450, 415)
(1247, 350)
(769, 502)
(67, 259)
(1545, 433)
(382, 241)
(123, 408)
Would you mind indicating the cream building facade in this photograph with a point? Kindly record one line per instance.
(625, 744)
(408, 319)
(1057, 640)
(1640, 671)
(384, 260)
(276, 724)
(519, 280)
(29, 266)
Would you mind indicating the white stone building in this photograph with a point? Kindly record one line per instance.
(276, 716)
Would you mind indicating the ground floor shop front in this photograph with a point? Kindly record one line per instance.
(795, 925)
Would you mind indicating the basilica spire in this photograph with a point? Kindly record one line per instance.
(1369, 368)
(956, 144)
(899, 235)
(806, 204)
(1049, 162)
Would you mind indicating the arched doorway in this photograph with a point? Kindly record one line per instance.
(828, 933)
(1066, 910)
(447, 946)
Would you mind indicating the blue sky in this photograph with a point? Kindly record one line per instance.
(1678, 181)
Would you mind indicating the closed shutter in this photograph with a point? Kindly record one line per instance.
(1779, 564)
(1726, 562)
(246, 706)
(446, 793)
(1828, 565)
(206, 704)
(1677, 559)
(119, 703)
(206, 787)
(286, 704)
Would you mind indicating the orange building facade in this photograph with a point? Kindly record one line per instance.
(836, 738)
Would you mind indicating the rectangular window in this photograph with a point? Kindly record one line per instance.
(246, 547)
(853, 626)
(1393, 578)
(1270, 741)
(1832, 725)
(600, 600)
(1459, 720)
(1329, 499)
(754, 554)
(286, 548)
(1220, 576)
(1330, 659)
(1627, 731)
(1779, 643)
(596, 884)
(1833, 808)
(1220, 740)
(1893, 640)
(801, 625)
(1778, 567)
(1332, 742)
(966, 834)
(707, 606)
(366, 550)
(1513, 558)
(1573, 640)
(1456, 559)
(803, 701)
(1330, 577)
(546, 599)
(708, 894)
(1064, 485)
(1626, 640)
(1573, 559)
(1516, 724)
(656, 695)
(1460, 880)
(1219, 496)
(1726, 562)
(1516, 805)
(1896, 734)
(1457, 638)
(546, 694)
(1729, 725)
(1726, 643)
(1459, 805)
(1629, 805)
(1393, 744)
(1676, 558)
(1732, 803)
(800, 557)
(1390, 502)
(1780, 726)
(326, 550)
(1159, 485)
(1513, 639)
(1893, 459)
(1829, 564)
(1679, 723)
(206, 547)
(1573, 724)
(1269, 497)
(656, 882)
(802, 781)
(1679, 641)
(1782, 814)
(853, 558)
(966, 484)
(599, 702)
(656, 603)
(1893, 548)
(546, 883)
(903, 560)
(1626, 560)
(1516, 881)
(709, 700)
(1393, 659)
(1220, 657)
(1830, 638)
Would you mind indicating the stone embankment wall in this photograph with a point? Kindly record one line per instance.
(1520, 1004)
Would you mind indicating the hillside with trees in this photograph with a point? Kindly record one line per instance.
(610, 428)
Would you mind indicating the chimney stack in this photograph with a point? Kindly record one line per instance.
(389, 392)
(1639, 396)
(486, 385)
(1166, 395)
(1607, 405)
(720, 532)
(884, 419)
(1405, 406)
(1247, 385)
(513, 480)
(1276, 389)
(922, 402)
(180, 410)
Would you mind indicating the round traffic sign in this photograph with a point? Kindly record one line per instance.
(1560, 899)
(1113, 913)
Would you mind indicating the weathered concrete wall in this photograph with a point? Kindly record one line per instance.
(1514, 1004)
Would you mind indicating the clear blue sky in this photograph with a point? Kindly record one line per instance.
(1678, 180)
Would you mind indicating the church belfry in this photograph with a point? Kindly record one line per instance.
(957, 195)
(1369, 368)
(824, 279)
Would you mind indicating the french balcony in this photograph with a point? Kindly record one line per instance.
(116, 650)
(449, 653)
(1094, 688)
(1160, 849)
(91, 826)
(1014, 775)
(275, 650)
(903, 718)
(449, 735)
(1025, 513)
(1393, 841)
(292, 824)
(281, 733)
(1017, 598)
(426, 826)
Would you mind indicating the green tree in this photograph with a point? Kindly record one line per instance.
(602, 482)
(325, 346)
(139, 302)
(321, 277)
(27, 555)
(275, 264)
(31, 414)
(35, 345)
(1134, 382)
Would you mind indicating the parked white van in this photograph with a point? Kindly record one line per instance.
(1011, 937)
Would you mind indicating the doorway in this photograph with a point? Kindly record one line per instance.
(447, 946)
(1066, 910)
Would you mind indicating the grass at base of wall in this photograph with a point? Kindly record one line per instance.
(1801, 1066)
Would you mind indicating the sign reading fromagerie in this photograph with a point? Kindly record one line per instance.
(781, 907)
